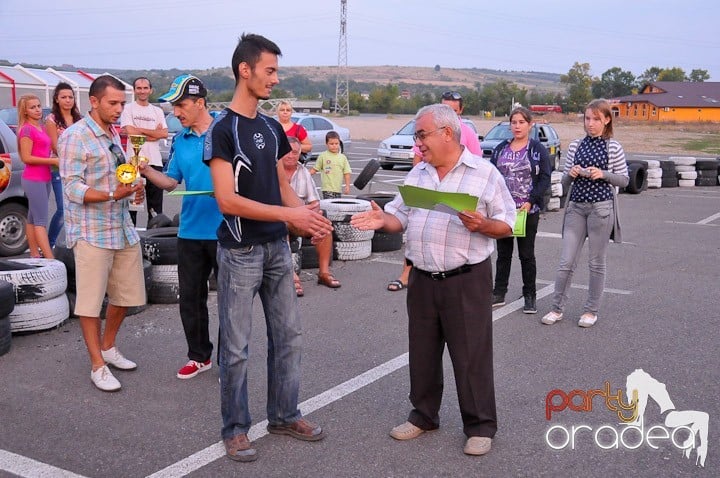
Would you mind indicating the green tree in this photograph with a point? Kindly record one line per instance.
(613, 83)
(579, 81)
(650, 75)
(499, 96)
(699, 76)
(672, 74)
(357, 102)
(383, 99)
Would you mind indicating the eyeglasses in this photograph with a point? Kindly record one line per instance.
(117, 153)
(452, 95)
(421, 135)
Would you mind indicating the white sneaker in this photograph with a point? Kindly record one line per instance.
(116, 359)
(104, 379)
(587, 320)
(551, 317)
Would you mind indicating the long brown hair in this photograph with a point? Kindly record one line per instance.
(601, 107)
(57, 113)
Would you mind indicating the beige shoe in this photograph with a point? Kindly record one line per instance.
(477, 445)
(406, 431)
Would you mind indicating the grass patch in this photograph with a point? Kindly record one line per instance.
(709, 145)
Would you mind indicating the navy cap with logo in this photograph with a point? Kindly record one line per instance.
(184, 86)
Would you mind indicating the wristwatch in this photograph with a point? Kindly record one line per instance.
(112, 196)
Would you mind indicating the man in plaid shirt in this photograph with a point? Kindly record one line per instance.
(99, 230)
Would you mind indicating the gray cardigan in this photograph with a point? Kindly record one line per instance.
(616, 175)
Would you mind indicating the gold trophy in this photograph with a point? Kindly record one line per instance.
(127, 173)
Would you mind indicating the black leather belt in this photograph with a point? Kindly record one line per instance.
(443, 274)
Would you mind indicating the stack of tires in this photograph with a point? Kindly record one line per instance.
(707, 172)
(669, 177)
(555, 196)
(39, 296)
(685, 167)
(383, 241)
(654, 174)
(159, 247)
(350, 244)
(7, 304)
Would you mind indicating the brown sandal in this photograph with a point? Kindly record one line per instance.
(298, 287)
(328, 280)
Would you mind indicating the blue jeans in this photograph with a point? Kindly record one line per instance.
(594, 221)
(242, 273)
(58, 219)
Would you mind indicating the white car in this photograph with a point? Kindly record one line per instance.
(397, 149)
(317, 127)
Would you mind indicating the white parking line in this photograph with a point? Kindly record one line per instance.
(710, 219)
(27, 467)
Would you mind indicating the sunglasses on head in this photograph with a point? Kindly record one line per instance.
(117, 153)
(452, 95)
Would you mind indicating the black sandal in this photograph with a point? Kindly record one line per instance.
(396, 285)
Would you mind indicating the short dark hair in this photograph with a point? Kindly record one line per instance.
(248, 50)
(453, 96)
(101, 83)
(331, 135)
(142, 78)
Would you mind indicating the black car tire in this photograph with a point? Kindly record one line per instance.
(669, 182)
(13, 217)
(637, 174)
(367, 174)
(7, 298)
(5, 335)
(158, 221)
(386, 166)
(381, 199)
(387, 241)
(159, 246)
(707, 164)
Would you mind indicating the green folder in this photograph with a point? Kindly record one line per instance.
(190, 193)
(450, 203)
(519, 229)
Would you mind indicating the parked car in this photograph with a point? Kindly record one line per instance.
(10, 118)
(397, 149)
(13, 203)
(317, 127)
(542, 132)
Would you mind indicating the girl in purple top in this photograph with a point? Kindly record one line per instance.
(525, 165)
(34, 146)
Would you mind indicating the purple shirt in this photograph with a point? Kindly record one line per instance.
(516, 169)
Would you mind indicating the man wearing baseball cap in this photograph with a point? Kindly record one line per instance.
(199, 216)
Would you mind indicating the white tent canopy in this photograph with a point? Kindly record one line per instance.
(18, 80)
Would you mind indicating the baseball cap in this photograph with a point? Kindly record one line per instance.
(184, 86)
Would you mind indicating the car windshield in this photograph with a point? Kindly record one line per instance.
(9, 115)
(499, 132)
(408, 129)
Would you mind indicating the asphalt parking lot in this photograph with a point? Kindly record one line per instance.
(659, 313)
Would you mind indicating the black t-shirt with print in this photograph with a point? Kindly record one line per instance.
(252, 146)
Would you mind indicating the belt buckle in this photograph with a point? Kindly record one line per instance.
(437, 275)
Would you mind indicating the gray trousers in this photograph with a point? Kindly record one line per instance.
(594, 221)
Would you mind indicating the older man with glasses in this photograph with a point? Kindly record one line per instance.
(450, 285)
(99, 230)
(469, 139)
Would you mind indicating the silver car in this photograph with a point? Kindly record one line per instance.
(317, 127)
(13, 203)
(397, 149)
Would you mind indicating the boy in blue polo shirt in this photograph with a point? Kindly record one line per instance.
(199, 217)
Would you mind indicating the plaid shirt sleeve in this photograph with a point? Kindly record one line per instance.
(72, 165)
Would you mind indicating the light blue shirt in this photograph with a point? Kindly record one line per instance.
(199, 216)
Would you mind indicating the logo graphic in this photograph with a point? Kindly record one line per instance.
(259, 140)
(686, 430)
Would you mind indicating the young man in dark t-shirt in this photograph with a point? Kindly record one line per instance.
(242, 149)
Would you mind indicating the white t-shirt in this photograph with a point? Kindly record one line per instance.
(147, 117)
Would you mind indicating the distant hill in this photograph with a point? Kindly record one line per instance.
(221, 79)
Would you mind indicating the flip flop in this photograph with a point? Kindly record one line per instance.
(328, 280)
(396, 285)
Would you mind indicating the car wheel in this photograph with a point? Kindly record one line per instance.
(13, 241)
(637, 178)
(34, 280)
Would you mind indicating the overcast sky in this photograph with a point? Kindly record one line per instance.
(546, 36)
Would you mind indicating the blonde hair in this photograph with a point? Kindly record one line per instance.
(22, 109)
